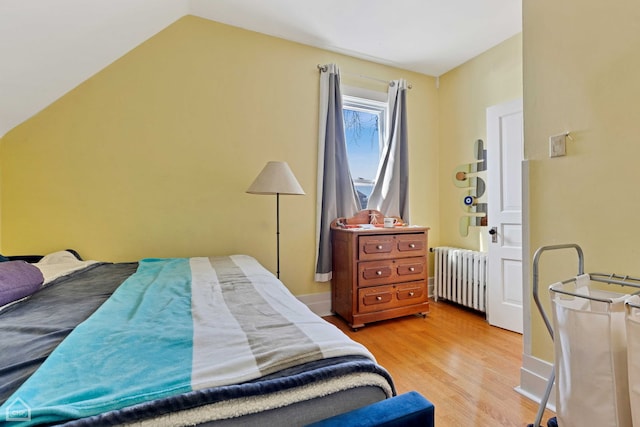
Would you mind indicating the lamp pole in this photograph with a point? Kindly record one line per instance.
(278, 235)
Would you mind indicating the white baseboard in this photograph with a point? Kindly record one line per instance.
(320, 303)
(534, 376)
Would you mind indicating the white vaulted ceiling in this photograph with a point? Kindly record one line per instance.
(47, 47)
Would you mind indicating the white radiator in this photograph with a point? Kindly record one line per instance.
(461, 277)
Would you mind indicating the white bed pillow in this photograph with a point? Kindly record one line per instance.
(58, 264)
(60, 257)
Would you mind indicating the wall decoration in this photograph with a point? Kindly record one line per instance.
(471, 178)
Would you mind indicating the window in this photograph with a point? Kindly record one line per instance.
(364, 124)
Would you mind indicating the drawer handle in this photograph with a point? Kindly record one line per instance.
(378, 298)
(379, 247)
(411, 293)
(379, 273)
(412, 269)
(412, 245)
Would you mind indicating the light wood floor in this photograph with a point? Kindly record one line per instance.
(465, 367)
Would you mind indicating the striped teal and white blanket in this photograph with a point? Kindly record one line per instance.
(175, 326)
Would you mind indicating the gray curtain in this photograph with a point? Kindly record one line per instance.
(390, 195)
(336, 193)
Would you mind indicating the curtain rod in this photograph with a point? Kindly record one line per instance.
(324, 68)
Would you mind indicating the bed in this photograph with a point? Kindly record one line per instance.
(181, 341)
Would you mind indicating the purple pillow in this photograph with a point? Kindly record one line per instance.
(18, 279)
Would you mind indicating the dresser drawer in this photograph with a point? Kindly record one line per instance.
(411, 268)
(376, 298)
(391, 296)
(373, 273)
(412, 293)
(377, 247)
(385, 246)
(411, 244)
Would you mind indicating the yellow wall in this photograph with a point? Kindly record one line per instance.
(0, 194)
(465, 93)
(581, 67)
(151, 157)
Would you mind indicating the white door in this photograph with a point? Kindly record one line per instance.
(505, 153)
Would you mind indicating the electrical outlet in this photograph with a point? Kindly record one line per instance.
(558, 145)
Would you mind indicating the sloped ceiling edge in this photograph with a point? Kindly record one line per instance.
(55, 45)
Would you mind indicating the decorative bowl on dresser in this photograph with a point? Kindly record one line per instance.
(378, 273)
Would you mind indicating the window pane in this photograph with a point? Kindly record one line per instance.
(362, 129)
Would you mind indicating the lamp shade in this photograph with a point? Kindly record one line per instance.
(276, 178)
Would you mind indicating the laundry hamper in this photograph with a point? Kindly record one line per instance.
(590, 355)
(633, 356)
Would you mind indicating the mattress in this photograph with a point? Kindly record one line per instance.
(207, 340)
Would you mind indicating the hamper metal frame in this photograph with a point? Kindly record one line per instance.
(614, 279)
(632, 305)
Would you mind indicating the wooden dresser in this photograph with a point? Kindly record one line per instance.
(378, 273)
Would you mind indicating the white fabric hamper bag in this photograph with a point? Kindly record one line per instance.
(633, 356)
(590, 357)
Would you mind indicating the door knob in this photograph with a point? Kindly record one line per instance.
(494, 234)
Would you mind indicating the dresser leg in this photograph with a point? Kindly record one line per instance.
(355, 328)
